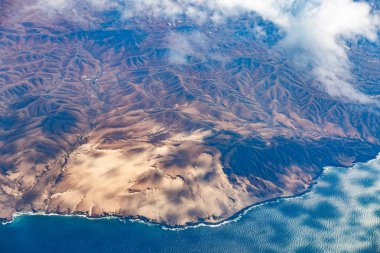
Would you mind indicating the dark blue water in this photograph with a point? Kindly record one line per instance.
(341, 214)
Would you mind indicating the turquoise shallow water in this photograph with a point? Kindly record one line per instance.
(341, 214)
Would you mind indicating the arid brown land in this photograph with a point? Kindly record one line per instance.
(97, 119)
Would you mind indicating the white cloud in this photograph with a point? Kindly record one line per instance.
(317, 29)
(320, 30)
(53, 4)
(183, 46)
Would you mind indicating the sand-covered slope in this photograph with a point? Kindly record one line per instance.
(176, 180)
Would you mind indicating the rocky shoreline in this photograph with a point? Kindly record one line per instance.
(235, 217)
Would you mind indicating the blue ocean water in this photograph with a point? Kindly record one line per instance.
(341, 214)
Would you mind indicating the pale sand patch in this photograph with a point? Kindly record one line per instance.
(176, 181)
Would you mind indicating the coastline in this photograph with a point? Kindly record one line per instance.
(233, 218)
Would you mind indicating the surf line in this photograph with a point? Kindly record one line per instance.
(234, 218)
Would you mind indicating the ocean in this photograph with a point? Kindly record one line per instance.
(341, 213)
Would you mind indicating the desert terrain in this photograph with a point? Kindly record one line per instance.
(103, 117)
